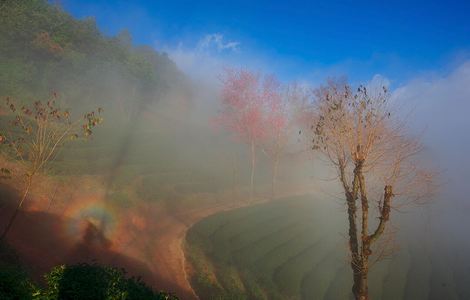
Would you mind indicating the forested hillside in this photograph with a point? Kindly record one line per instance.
(44, 49)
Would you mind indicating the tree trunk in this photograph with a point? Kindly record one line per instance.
(363, 293)
(274, 178)
(360, 267)
(354, 246)
(360, 282)
(360, 263)
(253, 163)
(18, 208)
(358, 260)
(234, 175)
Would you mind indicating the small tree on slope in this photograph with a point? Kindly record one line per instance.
(36, 133)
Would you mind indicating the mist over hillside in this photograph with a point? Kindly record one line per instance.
(156, 157)
(211, 170)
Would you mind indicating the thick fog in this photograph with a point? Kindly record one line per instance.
(160, 163)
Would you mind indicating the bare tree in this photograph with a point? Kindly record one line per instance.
(367, 144)
(35, 135)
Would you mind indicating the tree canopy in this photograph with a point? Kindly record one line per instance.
(44, 49)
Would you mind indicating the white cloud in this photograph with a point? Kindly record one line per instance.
(205, 59)
(199, 65)
(441, 107)
(443, 101)
(379, 81)
(218, 42)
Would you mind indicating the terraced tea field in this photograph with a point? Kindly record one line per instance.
(296, 249)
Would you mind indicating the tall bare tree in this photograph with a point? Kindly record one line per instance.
(365, 141)
(36, 133)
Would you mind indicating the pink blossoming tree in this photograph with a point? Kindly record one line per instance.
(242, 112)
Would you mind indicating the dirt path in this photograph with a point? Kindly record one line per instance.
(169, 261)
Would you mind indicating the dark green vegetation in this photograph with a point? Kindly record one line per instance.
(296, 249)
(86, 281)
(14, 280)
(44, 49)
(82, 281)
(15, 284)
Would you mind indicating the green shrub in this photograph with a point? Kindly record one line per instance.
(15, 284)
(91, 281)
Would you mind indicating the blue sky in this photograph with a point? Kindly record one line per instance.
(299, 39)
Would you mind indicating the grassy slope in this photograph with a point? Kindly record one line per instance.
(273, 249)
(282, 250)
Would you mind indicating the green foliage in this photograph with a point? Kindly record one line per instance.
(81, 281)
(91, 281)
(15, 284)
(43, 48)
(14, 281)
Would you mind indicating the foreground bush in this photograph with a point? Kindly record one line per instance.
(15, 284)
(91, 281)
(82, 281)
